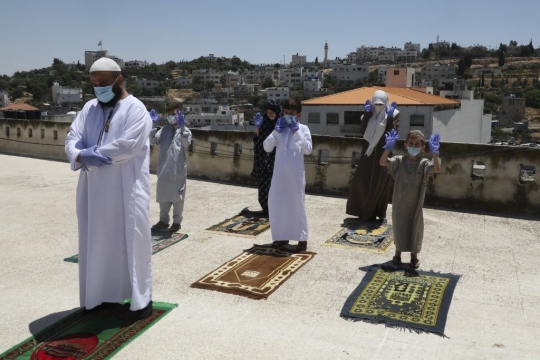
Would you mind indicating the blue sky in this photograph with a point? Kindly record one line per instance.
(36, 31)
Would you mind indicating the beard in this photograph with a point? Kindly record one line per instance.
(113, 101)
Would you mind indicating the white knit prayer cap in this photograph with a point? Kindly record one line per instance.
(105, 64)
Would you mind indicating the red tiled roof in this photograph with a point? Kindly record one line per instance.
(403, 97)
(22, 106)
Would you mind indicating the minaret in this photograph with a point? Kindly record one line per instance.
(325, 53)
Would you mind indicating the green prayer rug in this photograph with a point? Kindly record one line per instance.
(88, 335)
(373, 236)
(402, 298)
(246, 224)
(160, 241)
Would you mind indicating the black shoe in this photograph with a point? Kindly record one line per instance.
(302, 246)
(160, 225)
(175, 227)
(144, 313)
(278, 244)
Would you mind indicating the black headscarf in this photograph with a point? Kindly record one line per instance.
(263, 162)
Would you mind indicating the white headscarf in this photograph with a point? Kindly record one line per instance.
(377, 123)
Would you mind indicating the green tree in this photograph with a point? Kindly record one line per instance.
(17, 93)
(267, 82)
(513, 43)
(531, 47)
(461, 67)
(501, 58)
(329, 81)
(468, 60)
(317, 61)
(532, 98)
(426, 54)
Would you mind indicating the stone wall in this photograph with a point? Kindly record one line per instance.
(474, 177)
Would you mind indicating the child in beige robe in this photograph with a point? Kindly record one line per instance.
(411, 174)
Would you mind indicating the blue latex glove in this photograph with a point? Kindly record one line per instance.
(91, 157)
(281, 125)
(295, 125)
(390, 110)
(258, 119)
(368, 106)
(154, 116)
(391, 139)
(180, 118)
(434, 143)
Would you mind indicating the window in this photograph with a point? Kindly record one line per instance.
(55, 135)
(324, 156)
(352, 117)
(29, 132)
(213, 148)
(332, 119)
(7, 130)
(42, 133)
(314, 118)
(417, 120)
(355, 158)
(18, 131)
(237, 149)
(396, 72)
(191, 147)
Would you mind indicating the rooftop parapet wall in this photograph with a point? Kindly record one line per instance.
(474, 177)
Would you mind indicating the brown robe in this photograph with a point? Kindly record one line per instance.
(371, 185)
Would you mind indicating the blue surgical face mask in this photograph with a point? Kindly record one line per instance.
(289, 118)
(413, 151)
(105, 93)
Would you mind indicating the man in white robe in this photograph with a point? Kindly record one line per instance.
(108, 143)
(286, 200)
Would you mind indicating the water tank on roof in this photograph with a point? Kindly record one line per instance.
(30, 115)
(21, 114)
(10, 114)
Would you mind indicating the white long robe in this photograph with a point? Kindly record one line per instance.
(172, 165)
(113, 204)
(286, 199)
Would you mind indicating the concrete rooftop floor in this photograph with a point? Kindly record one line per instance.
(495, 312)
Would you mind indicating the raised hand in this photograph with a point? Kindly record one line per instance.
(258, 119)
(295, 125)
(154, 116)
(180, 120)
(368, 106)
(434, 143)
(391, 138)
(390, 110)
(281, 124)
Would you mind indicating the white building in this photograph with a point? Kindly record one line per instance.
(65, 95)
(350, 72)
(277, 93)
(134, 64)
(312, 84)
(202, 106)
(208, 75)
(148, 84)
(233, 78)
(456, 120)
(440, 45)
(184, 80)
(223, 116)
(258, 75)
(352, 58)
(409, 46)
(386, 56)
(298, 60)
(291, 77)
(438, 71)
(408, 55)
(91, 56)
(247, 88)
(4, 98)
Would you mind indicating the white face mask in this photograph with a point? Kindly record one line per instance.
(171, 119)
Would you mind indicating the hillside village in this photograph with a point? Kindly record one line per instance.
(218, 91)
